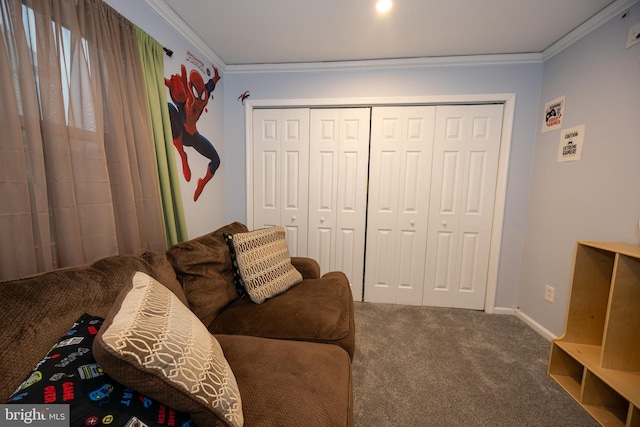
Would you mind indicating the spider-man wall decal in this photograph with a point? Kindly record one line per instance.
(190, 97)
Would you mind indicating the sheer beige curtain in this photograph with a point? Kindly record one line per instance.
(77, 174)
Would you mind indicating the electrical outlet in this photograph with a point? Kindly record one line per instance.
(549, 293)
(634, 35)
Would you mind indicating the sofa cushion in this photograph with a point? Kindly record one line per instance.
(308, 267)
(290, 383)
(264, 263)
(69, 374)
(38, 309)
(161, 269)
(205, 270)
(153, 343)
(318, 310)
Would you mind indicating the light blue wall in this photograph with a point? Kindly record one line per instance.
(524, 80)
(597, 198)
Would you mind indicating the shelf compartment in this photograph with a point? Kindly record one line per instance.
(602, 402)
(591, 285)
(625, 382)
(622, 333)
(634, 417)
(566, 371)
(586, 354)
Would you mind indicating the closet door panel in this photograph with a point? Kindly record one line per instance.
(267, 202)
(266, 159)
(466, 151)
(347, 258)
(280, 176)
(399, 185)
(443, 268)
(339, 150)
(323, 196)
(384, 178)
(469, 262)
(381, 271)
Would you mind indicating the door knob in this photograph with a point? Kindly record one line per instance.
(412, 222)
(293, 218)
(444, 223)
(321, 219)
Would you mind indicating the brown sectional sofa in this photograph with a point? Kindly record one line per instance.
(291, 355)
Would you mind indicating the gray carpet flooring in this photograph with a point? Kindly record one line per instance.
(426, 366)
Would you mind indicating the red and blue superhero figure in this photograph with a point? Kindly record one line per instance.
(190, 99)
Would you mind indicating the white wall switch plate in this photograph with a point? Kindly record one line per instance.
(634, 35)
(549, 293)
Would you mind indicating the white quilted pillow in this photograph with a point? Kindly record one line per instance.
(264, 263)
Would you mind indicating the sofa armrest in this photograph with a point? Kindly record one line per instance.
(308, 267)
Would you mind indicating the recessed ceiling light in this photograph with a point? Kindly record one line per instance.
(383, 6)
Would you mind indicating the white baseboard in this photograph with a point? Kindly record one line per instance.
(547, 334)
(504, 310)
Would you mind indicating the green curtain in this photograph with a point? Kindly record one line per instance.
(152, 55)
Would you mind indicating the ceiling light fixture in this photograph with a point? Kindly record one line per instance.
(383, 6)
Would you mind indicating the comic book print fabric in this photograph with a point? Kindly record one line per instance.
(69, 374)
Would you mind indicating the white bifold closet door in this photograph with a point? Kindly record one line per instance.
(399, 185)
(281, 173)
(310, 176)
(465, 166)
(338, 163)
(432, 174)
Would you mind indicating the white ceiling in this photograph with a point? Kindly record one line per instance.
(248, 32)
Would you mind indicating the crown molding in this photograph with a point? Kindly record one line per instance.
(609, 12)
(385, 64)
(170, 17)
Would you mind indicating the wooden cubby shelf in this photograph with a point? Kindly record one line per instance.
(597, 359)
